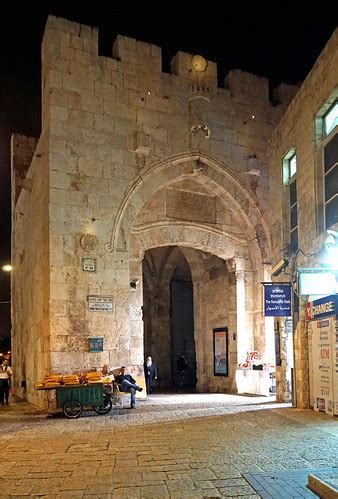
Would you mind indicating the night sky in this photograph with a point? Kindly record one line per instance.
(277, 39)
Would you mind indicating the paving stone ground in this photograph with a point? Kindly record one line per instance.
(186, 445)
(285, 483)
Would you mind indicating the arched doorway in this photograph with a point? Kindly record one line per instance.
(207, 214)
(187, 293)
(182, 327)
(168, 314)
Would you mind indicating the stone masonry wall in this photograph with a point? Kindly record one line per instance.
(30, 260)
(297, 130)
(107, 122)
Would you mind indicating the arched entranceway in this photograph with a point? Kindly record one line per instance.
(201, 208)
(182, 337)
(168, 314)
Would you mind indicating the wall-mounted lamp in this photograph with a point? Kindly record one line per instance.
(281, 265)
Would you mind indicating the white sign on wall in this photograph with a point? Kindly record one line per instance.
(100, 303)
(322, 333)
(89, 264)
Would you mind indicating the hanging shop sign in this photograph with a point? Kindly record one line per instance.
(277, 300)
(100, 303)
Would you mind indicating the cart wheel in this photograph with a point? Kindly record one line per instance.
(72, 409)
(105, 408)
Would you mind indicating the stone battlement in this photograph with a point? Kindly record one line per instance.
(78, 42)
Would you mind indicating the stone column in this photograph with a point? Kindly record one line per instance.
(283, 371)
(269, 353)
(301, 358)
(242, 336)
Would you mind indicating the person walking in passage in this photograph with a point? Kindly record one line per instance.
(182, 367)
(128, 384)
(5, 377)
(150, 373)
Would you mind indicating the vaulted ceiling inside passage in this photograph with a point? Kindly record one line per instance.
(160, 265)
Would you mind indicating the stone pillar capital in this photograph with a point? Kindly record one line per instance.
(235, 264)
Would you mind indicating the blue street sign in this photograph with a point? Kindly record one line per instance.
(277, 300)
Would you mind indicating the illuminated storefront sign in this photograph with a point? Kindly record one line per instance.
(321, 308)
(316, 282)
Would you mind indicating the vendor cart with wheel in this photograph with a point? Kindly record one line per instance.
(77, 398)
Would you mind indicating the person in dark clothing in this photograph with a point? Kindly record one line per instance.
(182, 367)
(150, 374)
(128, 384)
(5, 378)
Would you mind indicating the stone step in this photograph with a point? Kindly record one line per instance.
(324, 487)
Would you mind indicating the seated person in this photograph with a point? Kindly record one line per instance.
(128, 384)
(107, 371)
(108, 380)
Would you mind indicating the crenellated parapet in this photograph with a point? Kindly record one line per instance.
(69, 45)
(248, 85)
(143, 56)
(22, 152)
(69, 34)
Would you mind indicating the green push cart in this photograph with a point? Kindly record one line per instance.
(74, 399)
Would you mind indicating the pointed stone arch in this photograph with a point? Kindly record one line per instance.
(219, 179)
(190, 235)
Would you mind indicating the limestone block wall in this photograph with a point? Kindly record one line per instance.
(30, 260)
(297, 129)
(107, 120)
(211, 305)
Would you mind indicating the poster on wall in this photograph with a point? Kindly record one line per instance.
(322, 365)
(220, 351)
(323, 349)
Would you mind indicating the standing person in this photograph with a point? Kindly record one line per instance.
(5, 377)
(150, 373)
(128, 384)
(182, 367)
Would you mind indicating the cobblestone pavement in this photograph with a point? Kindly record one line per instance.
(187, 445)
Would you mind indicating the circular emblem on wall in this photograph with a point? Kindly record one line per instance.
(88, 242)
(198, 63)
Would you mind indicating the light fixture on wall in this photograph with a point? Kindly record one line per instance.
(278, 269)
